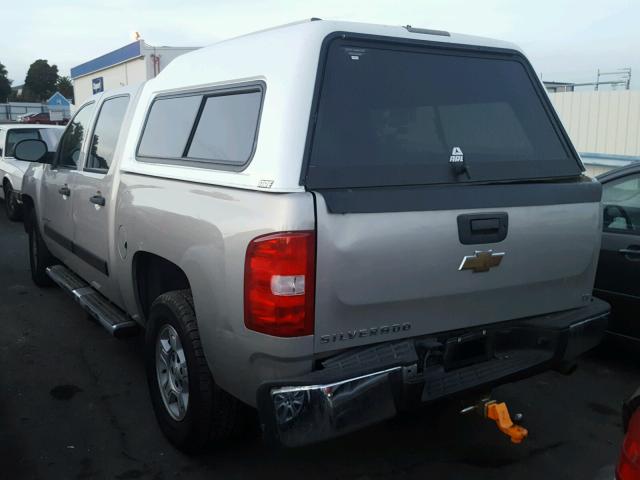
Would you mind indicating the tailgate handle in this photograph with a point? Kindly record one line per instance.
(487, 225)
(476, 229)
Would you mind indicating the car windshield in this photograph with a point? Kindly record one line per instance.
(49, 135)
(401, 115)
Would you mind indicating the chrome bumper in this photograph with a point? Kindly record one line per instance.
(309, 414)
(371, 385)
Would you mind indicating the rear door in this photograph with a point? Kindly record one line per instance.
(618, 278)
(58, 185)
(447, 194)
(93, 194)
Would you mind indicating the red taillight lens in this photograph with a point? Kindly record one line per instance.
(629, 465)
(279, 284)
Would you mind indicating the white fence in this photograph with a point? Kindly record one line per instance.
(9, 111)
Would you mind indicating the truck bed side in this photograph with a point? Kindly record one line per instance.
(205, 230)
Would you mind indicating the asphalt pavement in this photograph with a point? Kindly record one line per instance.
(74, 405)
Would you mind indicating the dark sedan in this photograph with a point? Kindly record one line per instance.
(43, 118)
(618, 278)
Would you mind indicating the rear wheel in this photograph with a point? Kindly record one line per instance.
(11, 204)
(39, 255)
(191, 409)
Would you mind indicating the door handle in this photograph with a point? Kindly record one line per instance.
(64, 191)
(630, 251)
(98, 200)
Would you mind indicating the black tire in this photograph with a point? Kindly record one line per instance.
(11, 205)
(212, 415)
(39, 255)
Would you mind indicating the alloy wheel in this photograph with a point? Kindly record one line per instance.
(172, 372)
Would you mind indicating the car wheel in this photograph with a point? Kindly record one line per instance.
(39, 255)
(191, 409)
(11, 205)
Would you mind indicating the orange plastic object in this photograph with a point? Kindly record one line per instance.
(500, 414)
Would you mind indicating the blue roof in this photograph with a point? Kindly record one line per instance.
(58, 100)
(133, 50)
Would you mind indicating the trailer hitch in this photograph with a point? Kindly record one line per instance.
(499, 413)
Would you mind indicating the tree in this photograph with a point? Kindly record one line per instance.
(5, 84)
(65, 87)
(25, 96)
(41, 79)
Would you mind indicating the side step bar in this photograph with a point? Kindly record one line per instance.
(112, 318)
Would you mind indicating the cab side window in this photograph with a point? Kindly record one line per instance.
(106, 133)
(72, 138)
(621, 202)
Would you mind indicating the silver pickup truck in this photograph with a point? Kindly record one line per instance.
(329, 222)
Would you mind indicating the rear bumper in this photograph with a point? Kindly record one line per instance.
(365, 386)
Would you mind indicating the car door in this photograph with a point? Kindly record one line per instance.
(57, 185)
(618, 277)
(92, 196)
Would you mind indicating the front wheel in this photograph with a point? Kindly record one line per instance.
(11, 204)
(191, 409)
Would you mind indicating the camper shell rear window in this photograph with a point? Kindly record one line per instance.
(395, 114)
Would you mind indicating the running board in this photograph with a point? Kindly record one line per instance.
(112, 318)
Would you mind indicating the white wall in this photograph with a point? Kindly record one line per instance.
(595, 170)
(606, 122)
(166, 54)
(127, 73)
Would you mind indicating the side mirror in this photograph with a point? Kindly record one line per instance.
(31, 150)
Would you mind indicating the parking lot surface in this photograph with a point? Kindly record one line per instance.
(74, 405)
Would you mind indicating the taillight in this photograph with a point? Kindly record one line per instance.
(279, 284)
(629, 465)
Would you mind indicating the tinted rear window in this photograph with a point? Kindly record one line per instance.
(168, 125)
(226, 128)
(391, 116)
(219, 127)
(106, 133)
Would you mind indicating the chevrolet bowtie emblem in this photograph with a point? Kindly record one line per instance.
(481, 261)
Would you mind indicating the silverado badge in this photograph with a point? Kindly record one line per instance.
(481, 261)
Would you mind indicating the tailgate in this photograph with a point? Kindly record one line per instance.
(390, 275)
(425, 158)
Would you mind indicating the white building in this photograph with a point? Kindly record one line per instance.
(603, 125)
(133, 63)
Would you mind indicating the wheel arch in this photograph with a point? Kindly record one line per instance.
(154, 275)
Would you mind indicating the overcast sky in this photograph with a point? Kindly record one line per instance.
(565, 40)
